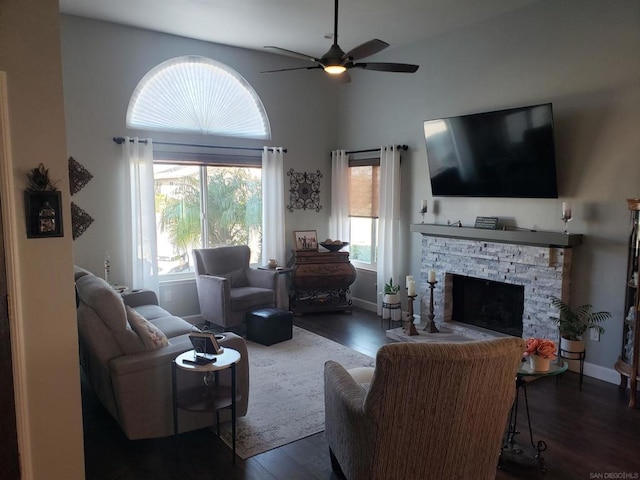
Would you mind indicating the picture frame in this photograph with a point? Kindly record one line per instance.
(305, 240)
(43, 212)
(205, 344)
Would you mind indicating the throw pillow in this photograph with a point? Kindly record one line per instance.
(152, 337)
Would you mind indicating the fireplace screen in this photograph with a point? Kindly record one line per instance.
(488, 304)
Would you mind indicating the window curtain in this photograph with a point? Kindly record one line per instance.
(339, 220)
(273, 240)
(389, 219)
(142, 250)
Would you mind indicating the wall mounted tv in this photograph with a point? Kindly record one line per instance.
(504, 153)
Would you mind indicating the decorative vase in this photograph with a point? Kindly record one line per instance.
(539, 364)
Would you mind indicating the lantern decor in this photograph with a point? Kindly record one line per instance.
(42, 205)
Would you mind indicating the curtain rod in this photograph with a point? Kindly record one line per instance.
(120, 141)
(401, 147)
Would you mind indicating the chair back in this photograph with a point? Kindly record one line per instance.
(441, 408)
(221, 260)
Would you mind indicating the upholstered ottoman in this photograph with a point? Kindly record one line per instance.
(269, 325)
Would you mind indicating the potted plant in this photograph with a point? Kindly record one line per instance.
(391, 292)
(574, 322)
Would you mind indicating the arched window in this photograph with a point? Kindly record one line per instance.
(198, 95)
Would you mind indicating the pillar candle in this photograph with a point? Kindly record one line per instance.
(432, 276)
(409, 279)
(411, 288)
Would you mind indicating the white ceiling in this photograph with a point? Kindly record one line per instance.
(299, 25)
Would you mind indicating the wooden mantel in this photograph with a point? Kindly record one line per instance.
(520, 237)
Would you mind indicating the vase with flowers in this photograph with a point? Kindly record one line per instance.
(540, 353)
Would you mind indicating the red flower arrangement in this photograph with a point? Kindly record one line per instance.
(541, 347)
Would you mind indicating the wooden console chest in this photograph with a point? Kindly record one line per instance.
(320, 282)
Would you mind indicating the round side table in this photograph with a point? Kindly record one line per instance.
(210, 397)
(556, 368)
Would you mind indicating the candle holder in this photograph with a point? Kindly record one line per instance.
(566, 218)
(431, 326)
(411, 328)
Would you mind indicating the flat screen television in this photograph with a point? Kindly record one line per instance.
(504, 153)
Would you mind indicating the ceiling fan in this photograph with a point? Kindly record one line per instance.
(336, 63)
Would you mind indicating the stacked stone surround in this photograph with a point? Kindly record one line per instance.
(544, 272)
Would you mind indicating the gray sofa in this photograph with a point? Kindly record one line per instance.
(132, 381)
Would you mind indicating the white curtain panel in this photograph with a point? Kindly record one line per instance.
(142, 250)
(389, 219)
(273, 240)
(339, 220)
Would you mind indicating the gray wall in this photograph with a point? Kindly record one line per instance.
(584, 56)
(104, 62)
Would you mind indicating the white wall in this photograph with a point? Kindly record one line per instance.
(104, 62)
(40, 275)
(582, 55)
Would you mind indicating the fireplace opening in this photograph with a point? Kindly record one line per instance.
(496, 306)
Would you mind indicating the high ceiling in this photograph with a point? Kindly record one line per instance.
(301, 25)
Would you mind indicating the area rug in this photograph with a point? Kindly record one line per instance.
(286, 391)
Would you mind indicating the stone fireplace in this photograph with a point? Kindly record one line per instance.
(543, 271)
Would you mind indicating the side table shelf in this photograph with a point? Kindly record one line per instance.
(210, 397)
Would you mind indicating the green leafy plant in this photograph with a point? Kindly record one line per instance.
(573, 322)
(390, 288)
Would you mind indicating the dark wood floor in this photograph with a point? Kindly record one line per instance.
(589, 433)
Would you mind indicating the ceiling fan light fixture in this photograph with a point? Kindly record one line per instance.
(335, 69)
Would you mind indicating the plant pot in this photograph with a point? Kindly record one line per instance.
(391, 298)
(571, 349)
(539, 364)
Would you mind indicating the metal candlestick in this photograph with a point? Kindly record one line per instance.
(431, 326)
(411, 328)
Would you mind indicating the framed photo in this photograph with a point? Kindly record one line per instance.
(305, 239)
(205, 344)
(43, 214)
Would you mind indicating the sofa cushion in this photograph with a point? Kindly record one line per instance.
(96, 294)
(152, 337)
(151, 312)
(173, 326)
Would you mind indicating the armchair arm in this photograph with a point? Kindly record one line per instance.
(349, 432)
(262, 278)
(214, 296)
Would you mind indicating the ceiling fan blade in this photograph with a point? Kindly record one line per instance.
(388, 67)
(366, 49)
(291, 53)
(290, 69)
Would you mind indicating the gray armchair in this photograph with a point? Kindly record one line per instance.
(228, 288)
(428, 410)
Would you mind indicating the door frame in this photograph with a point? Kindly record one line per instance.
(14, 302)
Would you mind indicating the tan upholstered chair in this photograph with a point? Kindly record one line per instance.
(430, 411)
(228, 288)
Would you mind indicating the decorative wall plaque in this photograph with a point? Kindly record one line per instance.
(78, 176)
(304, 190)
(80, 220)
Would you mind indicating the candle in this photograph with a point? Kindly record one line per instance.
(423, 206)
(411, 288)
(432, 276)
(409, 279)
